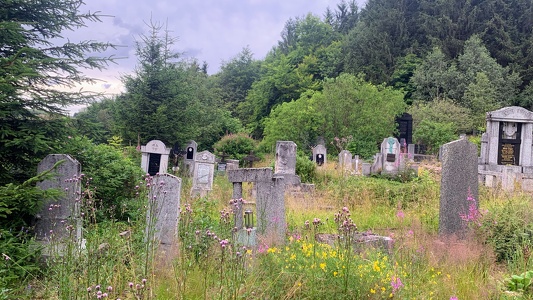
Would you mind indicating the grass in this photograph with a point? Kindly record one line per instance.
(422, 264)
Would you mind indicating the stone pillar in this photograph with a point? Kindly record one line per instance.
(459, 183)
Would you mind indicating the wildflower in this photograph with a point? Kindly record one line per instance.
(372, 291)
(97, 287)
(323, 266)
(6, 257)
(400, 214)
(89, 289)
(131, 285)
(396, 284)
(454, 298)
(109, 288)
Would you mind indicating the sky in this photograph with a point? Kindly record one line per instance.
(214, 31)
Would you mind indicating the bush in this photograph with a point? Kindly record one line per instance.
(434, 134)
(508, 228)
(114, 176)
(237, 146)
(305, 168)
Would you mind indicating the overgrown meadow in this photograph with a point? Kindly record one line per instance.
(118, 261)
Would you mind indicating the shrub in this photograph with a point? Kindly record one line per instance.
(508, 228)
(434, 134)
(113, 175)
(237, 146)
(305, 168)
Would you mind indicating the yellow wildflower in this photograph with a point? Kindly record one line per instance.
(323, 266)
(372, 291)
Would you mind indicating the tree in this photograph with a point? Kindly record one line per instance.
(169, 98)
(346, 106)
(235, 79)
(353, 107)
(36, 66)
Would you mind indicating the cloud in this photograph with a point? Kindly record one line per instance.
(209, 30)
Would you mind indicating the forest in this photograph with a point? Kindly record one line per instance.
(346, 73)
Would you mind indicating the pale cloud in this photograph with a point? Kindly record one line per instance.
(208, 30)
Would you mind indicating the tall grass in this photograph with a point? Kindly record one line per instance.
(208, 263)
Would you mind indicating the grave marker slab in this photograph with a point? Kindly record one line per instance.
(204, 170)
(459, 183)
(60, 220)
(163, 212)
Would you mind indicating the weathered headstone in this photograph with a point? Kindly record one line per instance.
(204, 169)
(285, 157)
(60, 220)
(346, 161)
(232, 164)
(320, 154)
(163, 210)
(154, 158)
(188, 159)
(459, 186)
(285, 164)
(270, 202)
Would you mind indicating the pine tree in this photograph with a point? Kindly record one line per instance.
(37, 66)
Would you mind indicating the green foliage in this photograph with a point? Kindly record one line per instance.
(508, 228)
(96, 121)
(354, 107)
(366, 148)
(235, 79)
(113, 175)
(298, 121)
(18, 260)
(521, 283)
(169, 98)
(237, 146)
(305, 168)
(19, 202)
(442, 111)
(434, 134)
(36, 64)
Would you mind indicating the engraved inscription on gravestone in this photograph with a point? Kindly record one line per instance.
(509, 143)
(203, 173)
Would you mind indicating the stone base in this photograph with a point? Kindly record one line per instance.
(246, 238)
(360, 241)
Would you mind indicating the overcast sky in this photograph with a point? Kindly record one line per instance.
(208, 30)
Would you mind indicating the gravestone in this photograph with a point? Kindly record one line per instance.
(405, 129)
(346, 161)
(356, 163)
(163, 210)
(188, 159)
(250, 159)
(60, 220)
(285, 164)
(320, 154)
(222, 164)
(390, 151)
(204, 169)
(232, 164)
(154, 158)
(269, 206)
(459, 183)
(506, 155)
